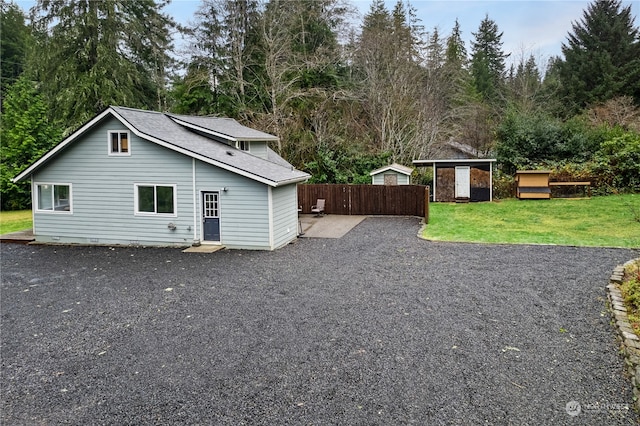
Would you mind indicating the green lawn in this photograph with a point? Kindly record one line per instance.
(611, 221)
(15, 221)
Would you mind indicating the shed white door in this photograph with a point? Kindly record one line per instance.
(463, 182)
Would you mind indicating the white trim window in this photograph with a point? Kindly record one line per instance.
(119, 142)
(53, 198)
(155, 199)
(242, 145)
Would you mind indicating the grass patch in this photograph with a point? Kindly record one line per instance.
(13, 221)
(594, 222)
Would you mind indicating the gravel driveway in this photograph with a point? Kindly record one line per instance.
(378, 327)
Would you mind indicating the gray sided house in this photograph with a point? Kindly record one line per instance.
(393, 174)
(147, 178)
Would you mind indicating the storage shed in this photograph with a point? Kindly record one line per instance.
(533, 184)
(461, 179)
(393, 174)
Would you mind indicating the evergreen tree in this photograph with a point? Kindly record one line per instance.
(456, 52)
(13, 45)
(26, 134)
(194, 93)
(226, 40)
(92, 54)
(550, 89)
(488, 61)
(601, 56)
(457, 78)
(436, 54)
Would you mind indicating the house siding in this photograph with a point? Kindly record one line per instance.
(259, 149)
(378, 179)
(244, 208)
(285, 214)
(103, 193)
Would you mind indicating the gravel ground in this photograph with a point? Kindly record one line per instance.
(378, 327)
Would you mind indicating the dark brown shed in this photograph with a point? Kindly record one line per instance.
(461, 179)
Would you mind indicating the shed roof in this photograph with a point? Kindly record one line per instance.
(454, 162)
(395, 167)
(169, 131)
(533, 172)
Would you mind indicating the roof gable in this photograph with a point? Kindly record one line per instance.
(395, 167)
(163, 130)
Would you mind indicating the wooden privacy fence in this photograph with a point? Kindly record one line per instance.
(394, 200)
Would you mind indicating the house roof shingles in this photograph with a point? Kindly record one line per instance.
(164, 129)
(225, 126)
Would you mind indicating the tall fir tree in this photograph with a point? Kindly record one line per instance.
(222, 65)
(455, 68)
(601, 57)
(488, 61)
(436, 54)
(456, 51)
(13, 45)
(93, 54)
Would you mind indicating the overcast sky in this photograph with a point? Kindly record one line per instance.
(529, 27)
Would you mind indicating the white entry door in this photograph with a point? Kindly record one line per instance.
(463, 182)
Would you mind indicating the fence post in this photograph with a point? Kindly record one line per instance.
(426, 205)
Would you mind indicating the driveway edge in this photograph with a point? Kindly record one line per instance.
(630, 341)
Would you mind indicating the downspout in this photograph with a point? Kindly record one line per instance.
(196, 241)
(490, 181)
(34, 204)
(270, 206)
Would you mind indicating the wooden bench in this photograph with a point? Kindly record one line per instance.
(574, 184)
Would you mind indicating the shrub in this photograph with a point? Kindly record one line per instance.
(617, 163)
(631, 286)
(338, 166)
(523, 140)
(503, 185)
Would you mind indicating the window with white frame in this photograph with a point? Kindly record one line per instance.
(242, 145)
(53, 197)
(152, 199)
(119, 143)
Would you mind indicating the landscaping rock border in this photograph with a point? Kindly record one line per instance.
(630, 341)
